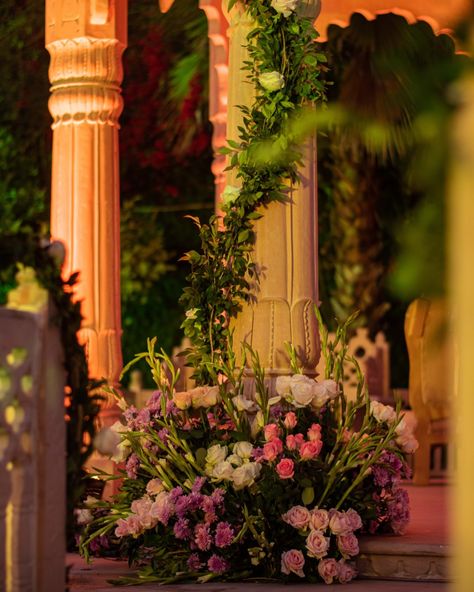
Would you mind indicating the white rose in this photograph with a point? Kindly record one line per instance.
(302, 390)
(230, 194)
(241, 403)
(235, 460)
(243, 449)
(271, 81)
(216, 454)
(282, 386)
(110, 442)
(284, 7)
(382, 412)
(223, 470)
(245, 475)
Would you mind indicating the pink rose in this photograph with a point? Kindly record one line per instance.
(353, 519)
(294, 442)
(345, 572)
(319, 519)
(272, 449)
(298, 517)
(328, 570)
(317, 544)
(290, 420)
(285, 468)
(271, 431)
(338, 522)
(292, 561)
(348, 545)
(314, 432)
(310, 450)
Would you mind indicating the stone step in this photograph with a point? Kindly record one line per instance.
(392, 558)
(424, 552)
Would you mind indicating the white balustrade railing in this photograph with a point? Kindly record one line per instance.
(32, 454)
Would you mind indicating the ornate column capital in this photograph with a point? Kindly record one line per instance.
(85, 74)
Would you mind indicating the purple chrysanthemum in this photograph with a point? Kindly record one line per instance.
(202, 537)
(218, 497)
(198, 484)
(181, 529)
(224, 534)
(194, 563)
(217, 564)
(132, 466)
(175, 493)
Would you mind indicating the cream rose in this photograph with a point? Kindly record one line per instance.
(154, 487)
(205, 396)
(241, 403)
(235, 460)
(222, 471)
(243, 449)
(245, 475)
(282, 386)
(271, 81)
(284, 7)
(302, 390)
(182, 400)
(216, 454)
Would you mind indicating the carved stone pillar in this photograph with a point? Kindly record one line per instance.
(85, 40)
(286, 242)
(460, 205)
(218, 69)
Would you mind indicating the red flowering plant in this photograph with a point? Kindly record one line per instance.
(279, 482)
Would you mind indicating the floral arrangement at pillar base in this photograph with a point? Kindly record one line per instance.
(219, 485)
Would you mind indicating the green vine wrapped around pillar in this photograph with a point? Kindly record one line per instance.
(284, 68)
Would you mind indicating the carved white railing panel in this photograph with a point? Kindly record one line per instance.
(373, 357)
(32, 454)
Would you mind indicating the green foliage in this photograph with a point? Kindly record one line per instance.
(222, 273)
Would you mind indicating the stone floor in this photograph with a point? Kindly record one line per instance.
(429, 526)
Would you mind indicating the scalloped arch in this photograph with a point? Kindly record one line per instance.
(342, 17)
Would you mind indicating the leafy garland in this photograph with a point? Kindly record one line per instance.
(284, 63)
(82, 406)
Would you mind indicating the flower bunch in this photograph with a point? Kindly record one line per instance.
(270, 484)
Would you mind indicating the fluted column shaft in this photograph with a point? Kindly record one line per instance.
(286, 242)
(86, 42)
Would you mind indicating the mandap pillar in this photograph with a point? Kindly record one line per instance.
(86, 40)
(286, 240)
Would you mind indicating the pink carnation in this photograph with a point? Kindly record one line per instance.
(285, 468)
(271, 431)
(310, 450)
(292, 561)
(128, 526)
(328, 570)
(290, 420)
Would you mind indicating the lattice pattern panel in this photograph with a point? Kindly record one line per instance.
(32, 454)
